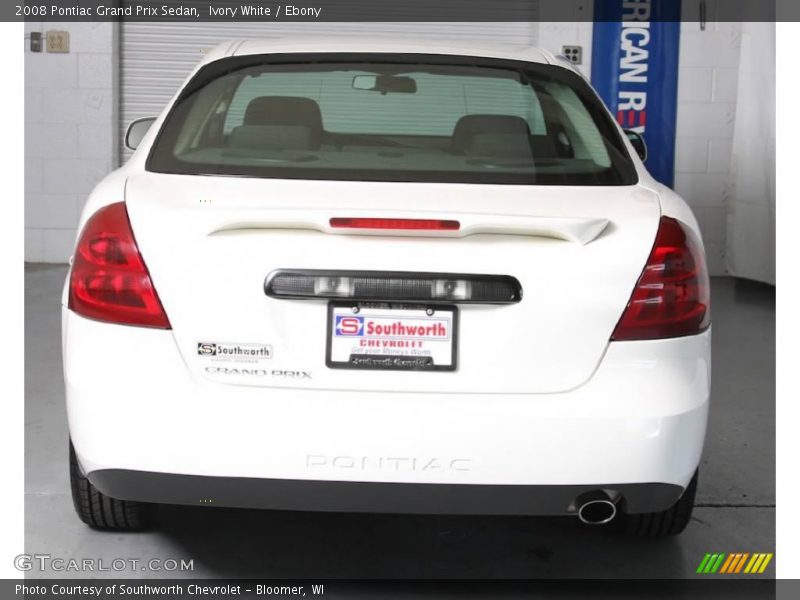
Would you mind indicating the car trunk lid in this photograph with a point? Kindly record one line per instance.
(210, 242)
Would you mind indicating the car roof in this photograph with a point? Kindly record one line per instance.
(300, 45)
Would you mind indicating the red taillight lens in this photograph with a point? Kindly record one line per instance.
(412, 224)
(109, 280)
(672, 296)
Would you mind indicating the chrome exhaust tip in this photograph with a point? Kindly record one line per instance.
(596, 508)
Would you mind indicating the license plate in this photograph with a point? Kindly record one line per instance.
(392, 337)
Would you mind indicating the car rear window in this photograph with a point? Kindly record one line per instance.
(388, 118)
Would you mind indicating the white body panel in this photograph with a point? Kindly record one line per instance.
(641, 418)
(209, 269)
(561, 405)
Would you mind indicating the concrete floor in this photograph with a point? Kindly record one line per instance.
(736, 499)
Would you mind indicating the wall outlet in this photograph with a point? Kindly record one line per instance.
(573, 53)
(58, 41)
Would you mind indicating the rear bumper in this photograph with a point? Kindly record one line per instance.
(353, 496)
(137, 415)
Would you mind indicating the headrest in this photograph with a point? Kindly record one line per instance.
(283, 110)
(470, 126)
(272, 137)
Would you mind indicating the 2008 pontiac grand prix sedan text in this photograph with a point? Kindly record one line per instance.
(373, 277)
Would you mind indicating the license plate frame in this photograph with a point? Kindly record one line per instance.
(392, 361)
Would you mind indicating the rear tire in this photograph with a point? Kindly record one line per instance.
(666, 522)
(100, 511)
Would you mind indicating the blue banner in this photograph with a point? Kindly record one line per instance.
(635, 69)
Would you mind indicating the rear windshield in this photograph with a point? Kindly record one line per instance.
(387, 118)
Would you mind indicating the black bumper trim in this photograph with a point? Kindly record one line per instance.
(350, 496)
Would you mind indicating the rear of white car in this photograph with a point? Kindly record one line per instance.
(387, 279)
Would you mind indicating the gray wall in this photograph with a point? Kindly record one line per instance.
(70, 132)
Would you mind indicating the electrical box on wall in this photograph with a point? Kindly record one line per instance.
(573, 53)
(36, 41)
(58, 41)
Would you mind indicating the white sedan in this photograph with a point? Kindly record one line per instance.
(383, 277)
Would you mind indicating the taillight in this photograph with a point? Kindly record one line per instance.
(672, 296)
(405, 224)
(109, 280)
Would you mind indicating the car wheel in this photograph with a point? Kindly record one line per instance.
(666, 522)
(100, 511)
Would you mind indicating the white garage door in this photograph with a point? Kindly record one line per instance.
(155, 58)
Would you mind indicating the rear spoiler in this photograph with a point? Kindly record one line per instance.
(581, 230)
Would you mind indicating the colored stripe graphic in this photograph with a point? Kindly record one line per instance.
(765, 563)
(718, 563)
(754, 564)
(740, 565)
(704, 563)
(758, 563)
(735, 562)
(732, 558)
(711, 563)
